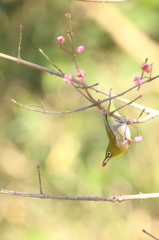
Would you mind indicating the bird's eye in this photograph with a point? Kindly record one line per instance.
(109, 154)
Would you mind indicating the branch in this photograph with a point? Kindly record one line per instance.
(103, 1)
(151, 113)
(120, 198)
(29, 64)
(96, 89)
(28, 107)
(150, 234)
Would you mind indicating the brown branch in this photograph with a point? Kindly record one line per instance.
(151, 113)
(127, 104)
(96, 89)
(39, 178)
(103, 1)
(29, 64)
(46, 111)
(150, 234)
(119, 198)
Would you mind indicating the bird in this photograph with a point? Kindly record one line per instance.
(118, 134)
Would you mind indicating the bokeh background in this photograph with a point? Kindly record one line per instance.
(70, 147)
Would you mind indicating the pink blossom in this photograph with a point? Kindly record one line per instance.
(68, 15)
(138, 138)
(13, 100)
(80, 49)
(146, 68)
(61, 39)
(137, 80)
(67, 78)
(81, 75)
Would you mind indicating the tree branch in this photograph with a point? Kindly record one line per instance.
(29, 64)
(103, 1)
(94, 88)
(151, 113)
(119, 198)
(28, 107)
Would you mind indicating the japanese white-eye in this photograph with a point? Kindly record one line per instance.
(118, 134)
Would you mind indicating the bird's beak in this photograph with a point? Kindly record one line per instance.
(105, 161)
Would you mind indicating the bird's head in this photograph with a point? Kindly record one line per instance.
(112, 152)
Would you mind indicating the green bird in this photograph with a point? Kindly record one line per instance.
(118, 134)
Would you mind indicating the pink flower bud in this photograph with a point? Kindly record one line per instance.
(13, 100)
(67, 78)
(61, 39)
(137, 80)
(80, 49)
(81, 75)
(138, 138)
(68, 15)
(146, 68)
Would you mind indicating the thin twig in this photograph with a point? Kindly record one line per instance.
(42, 105)
(58, 69)
(49, 112)
(141, 113)
(33, 65)
(65, 50)
(126, 104)
(77, 88)
(149, 234)
(103, 1)
(20, 41)
(39, 177)
(93, 85)
(113, 199)
(70, 36)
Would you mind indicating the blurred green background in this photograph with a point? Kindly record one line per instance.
(70, 147)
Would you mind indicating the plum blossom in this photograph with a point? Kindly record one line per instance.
(81, 75)
(137, 80)
(80, 49)
(146, 68)
(67, 78)
(138, 138)
(61, 39)
(68, 15)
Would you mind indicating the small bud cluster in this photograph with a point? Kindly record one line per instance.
(80, 74)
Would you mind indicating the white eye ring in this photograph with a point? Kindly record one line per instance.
(109, 154)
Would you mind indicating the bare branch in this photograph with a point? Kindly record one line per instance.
(103, 1)
(20, 41)
(70, 35)
(93, 85)
(39, 178)
(96, 89)
(151, 113)
(113, 199)
(77, 88)
(127, 104)
(46, 111)
(150, 234)
(29, 64)
(141, 113)
(58, 69)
